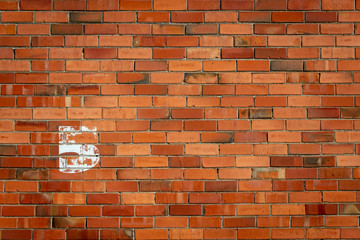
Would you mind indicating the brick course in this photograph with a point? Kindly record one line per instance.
(212, 119)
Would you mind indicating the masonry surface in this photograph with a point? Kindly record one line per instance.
(180, 119)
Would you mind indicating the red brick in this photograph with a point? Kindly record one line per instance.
(102, 5)
(320, 17)
(134, 29)
(97, 53)
(270, 53)
(105, 198)
(287, 17)
(69, 5)
(187, 17)
(237, 53)
(237, 5)
(27, 211)
(9, 5)
(145, 41)
(150, 66)
(185, 210)
(138, 5)
(101, 29)
(168, 53)
(16, 234)
(202, 29)
(184, 162)
(253, 16)
(323, 113)
(49, 234)
(273, 5)
(7, 29)
(201, 5)
(181, 41)
(159, 210)
(82, 233)
(119, 17)
(60, 17)
(168, 29)
(304, 5)
(222, 186)
(269, 29)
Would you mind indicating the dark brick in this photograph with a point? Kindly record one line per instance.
(323, 113)
(66, 29)
(155, 186)
(320, 209)
(320, 161)
(270, 53)
(250, 137)
(260, 113)
(56, 211)
(227, 53)
(335, 173)
(285, 161)
(317, 136)
(350, 112)
(50, 90)
(33, 174)
(220, 186)
(184, 162)
(7, 150)
(185, 210)
(286, 65)
(85, 17)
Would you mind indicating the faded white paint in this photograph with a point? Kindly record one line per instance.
(81, 157)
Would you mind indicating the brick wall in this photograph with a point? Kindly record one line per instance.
(198, 119)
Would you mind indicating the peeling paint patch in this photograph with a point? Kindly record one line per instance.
(80, 157)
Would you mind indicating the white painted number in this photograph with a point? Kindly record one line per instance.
(84, 156)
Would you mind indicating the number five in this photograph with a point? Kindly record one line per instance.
(87, 155)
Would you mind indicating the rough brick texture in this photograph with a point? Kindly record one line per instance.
(197, 119)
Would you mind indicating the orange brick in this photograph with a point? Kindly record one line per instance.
(216, 41)
(153, 17)
(320, 233)
(220, 233)
(8, 29)
(151, 234)
(220, 16)
(182, 41)
(178, 66)
(334, 5)
(134, 29)
(60, 17)
(166, 5)
(17, 16)
(304, 5)
(56, 53)
(137, 198)
(302, 29)
(200, 5)
(168, 29)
